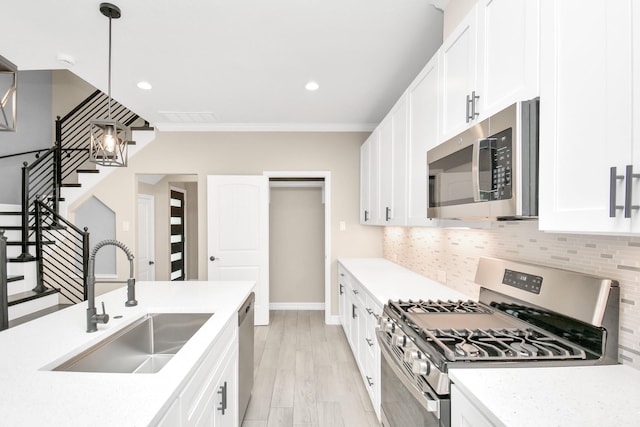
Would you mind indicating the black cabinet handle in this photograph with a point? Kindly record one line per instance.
(355, 291)
(341, 289)
(366, 215)
(369, 311)
(370, 342)
(628, 195)
(223, 398)
(370, 381)
(353, 311)
(387, 214)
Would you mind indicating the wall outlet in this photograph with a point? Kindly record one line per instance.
(442, 276)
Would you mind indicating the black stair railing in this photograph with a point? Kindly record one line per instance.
(4, 299)
(38, 182)
(63, 254)
(72, 131)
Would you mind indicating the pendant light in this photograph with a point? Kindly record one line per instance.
(8, 95)
(109, 138)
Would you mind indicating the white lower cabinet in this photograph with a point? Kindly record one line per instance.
(464, 413)
(360, 325)
(210, 396)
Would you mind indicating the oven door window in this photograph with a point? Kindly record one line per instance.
(400, 407)
(451, 179)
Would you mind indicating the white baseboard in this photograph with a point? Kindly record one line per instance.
(296, 306)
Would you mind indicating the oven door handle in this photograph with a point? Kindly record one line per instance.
(430, 405)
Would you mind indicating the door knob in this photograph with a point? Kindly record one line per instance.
(151, 262)
(212, 258)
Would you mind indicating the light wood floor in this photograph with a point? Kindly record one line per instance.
(305, 375)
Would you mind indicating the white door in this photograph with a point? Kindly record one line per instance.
(238, 241)
(146, 240)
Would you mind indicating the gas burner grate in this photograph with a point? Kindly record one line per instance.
(501, 344)
(439, 306)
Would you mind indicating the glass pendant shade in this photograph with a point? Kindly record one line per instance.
(109, 143)
(8, 95)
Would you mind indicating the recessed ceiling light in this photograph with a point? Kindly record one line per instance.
(144, 85)
(311, 86)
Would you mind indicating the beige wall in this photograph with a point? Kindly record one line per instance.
(296, 245)
(453, 14)
(68, 90)
(208, 153)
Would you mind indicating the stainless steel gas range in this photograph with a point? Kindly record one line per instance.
(527, 315)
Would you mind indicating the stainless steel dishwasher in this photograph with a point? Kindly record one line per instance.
(245, 354)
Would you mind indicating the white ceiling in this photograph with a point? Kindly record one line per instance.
(236, 64)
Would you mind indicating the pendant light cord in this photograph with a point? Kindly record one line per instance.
(109, 86)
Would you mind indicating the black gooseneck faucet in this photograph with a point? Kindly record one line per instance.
(92, 317)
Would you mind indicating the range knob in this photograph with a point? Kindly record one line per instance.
(387, 325)
(399, 340)
(411, 355)
(420, 367)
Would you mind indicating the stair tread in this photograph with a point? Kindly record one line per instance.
(31, 259)
(87, 171)
(71, 185)
(10, 213)
(25, 296)
(15, 278)
(37, 314)
(141, 128)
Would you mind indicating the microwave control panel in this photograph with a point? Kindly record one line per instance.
(496, 158)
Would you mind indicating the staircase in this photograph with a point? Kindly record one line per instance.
(47, 256)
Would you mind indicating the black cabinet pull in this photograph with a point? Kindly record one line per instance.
(370, 342)
(370, 381)
(366, 215)
(223, 398)
(341, 289)
(387, 215)
(353, 311)
(355, 291)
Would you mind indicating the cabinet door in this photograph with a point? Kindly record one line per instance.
(464, 413)
(585, 113)
(507, 53)
(423, 135)
(369, 180)
(635, 24)
(400, 119)
(225, 408)
(342, 297)
(458, 70)
(386, 164)
(365, 182)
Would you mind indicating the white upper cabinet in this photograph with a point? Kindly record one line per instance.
(369, 180)
(386, 169)
(586, 116)
(423, 135)
(458, 68)
(508, 54)
(489, 62)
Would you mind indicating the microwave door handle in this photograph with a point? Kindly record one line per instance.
(475, 170)
(481, 144)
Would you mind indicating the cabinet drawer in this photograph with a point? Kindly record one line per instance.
(194, 395)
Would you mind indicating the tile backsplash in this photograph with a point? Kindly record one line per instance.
(452, 254)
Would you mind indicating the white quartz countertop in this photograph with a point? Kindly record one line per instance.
(564, 396)
(385, 280)
(33, 395)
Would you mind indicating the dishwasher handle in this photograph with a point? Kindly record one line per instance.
(247, 307)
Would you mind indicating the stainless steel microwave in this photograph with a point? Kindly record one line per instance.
(490, 171)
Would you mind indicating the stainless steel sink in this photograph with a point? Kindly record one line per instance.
(144, 347)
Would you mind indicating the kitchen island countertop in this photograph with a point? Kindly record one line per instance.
(576, 396)
(31, 394)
